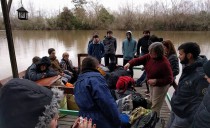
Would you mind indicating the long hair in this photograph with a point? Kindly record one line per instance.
(169, 45)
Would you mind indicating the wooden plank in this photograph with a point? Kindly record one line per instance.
(48, 81)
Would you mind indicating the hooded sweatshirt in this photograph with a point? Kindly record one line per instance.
(129, 47)
(34, 73)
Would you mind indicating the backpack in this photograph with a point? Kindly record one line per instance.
(146, 121)
(113, 77)
(137, 99)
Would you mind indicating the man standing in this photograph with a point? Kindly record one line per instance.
(128, 49)
(110, 47)
(191, 87)
(143, 43)
(202, 116)
(96, 48)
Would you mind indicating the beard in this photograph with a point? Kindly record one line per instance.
(185, 61)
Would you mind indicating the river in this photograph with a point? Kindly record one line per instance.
(36, 43)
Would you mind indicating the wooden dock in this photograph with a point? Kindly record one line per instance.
(67, 121)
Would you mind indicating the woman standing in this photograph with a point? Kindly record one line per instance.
(170, 53)
(159, 73)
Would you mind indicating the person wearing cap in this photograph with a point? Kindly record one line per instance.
(24, 104)
(40, 69)
(93, 97)
(159, 74)
(191, 86)
(202, 116)
(128, 49)
(96, 48)
(110, 47)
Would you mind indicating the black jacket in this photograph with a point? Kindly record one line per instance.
(173, 59)
(189, 94)
(202, 116)
(144, 44)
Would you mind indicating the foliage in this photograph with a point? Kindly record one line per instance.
(158, 15)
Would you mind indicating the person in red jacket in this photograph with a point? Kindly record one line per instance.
(159, 73)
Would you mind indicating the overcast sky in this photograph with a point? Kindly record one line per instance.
(56, 5)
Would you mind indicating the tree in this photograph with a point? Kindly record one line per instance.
(105, 18)
(66, 19)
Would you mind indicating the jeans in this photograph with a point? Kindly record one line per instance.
(111, 57)
(177, 122)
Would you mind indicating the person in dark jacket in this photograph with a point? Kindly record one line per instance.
(94, 98)
(96, 48)
(31, 106)
(202, 116)
(170, 53)
(40, 70)
(143, 43)
(110, 47)
(24, 104)
(189, 94)
(159, 73)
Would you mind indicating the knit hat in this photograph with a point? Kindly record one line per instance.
(123, 83)
(24, 104)
(206, 68)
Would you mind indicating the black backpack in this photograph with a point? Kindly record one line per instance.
(138, 99)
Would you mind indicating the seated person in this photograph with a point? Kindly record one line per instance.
(56, 66)
(68, 68)
(24, 104)
(40, 70)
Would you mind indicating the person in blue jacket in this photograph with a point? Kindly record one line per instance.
(128, 49)
(40, 69)
(202, 116)
(96, 48)
(94, 98)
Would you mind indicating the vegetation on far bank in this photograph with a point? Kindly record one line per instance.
(158, 15)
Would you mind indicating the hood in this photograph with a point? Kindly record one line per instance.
(44, 61)
(200, 61)
(206, 68)
(24, 104)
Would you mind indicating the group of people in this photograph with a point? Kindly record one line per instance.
(50, 66)
(189, 102)
(39, 106)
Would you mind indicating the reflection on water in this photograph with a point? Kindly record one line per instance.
(36, 43)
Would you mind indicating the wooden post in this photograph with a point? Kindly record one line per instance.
(9, 5)
(11, 48)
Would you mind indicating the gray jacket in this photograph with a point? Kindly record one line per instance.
(110, 45)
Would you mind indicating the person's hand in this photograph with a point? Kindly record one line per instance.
(152, 82)
(127, 66)
(84, 123)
